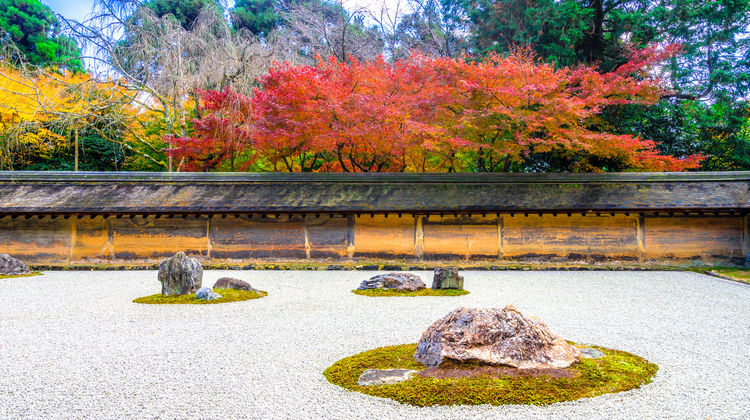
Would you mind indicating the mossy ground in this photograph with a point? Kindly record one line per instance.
(421, 292)
(617, 371)
(740, 274)
(35, 273)
(382, 265)
(227, 295)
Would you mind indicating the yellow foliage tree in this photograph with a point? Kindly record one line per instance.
(40, 109)
(23, 120)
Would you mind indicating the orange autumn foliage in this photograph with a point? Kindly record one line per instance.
(429, 113)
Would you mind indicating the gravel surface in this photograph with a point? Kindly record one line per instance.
(73, 345)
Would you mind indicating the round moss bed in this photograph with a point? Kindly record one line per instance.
(422, 292)
(32, 274)
(472, 384)
(227, 295)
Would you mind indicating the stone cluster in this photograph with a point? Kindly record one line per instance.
(182, 275)
(443, 278)
(398, 281)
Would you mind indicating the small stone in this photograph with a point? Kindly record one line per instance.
(180, 275)
(591, 353)
(206, 293)
(10, 266)
(232, 283)
(494, 336)
(447, 278)
(398, 281)
(384, 376)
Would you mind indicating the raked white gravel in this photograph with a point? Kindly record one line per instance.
(73, 345)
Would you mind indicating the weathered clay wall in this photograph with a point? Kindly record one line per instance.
(677, 239)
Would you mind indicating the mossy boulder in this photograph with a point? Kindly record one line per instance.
(494, 336)
(394, 281)
(180, 275)
(10, 266)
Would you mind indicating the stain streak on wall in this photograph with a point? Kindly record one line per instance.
(379, 236)
(574, 237)
(691, 238)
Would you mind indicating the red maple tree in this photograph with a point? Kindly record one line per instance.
(429, 113)
(221, 134)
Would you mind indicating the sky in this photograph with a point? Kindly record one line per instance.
(76, 9)
(79, 9)
(71, 9)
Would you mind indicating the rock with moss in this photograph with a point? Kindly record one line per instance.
(10, 266)
(591, 353)
(206, 293)
(397, 281)
(232, 283)
(180, 275)
(447, 278)
(372, 377)
(496, 337)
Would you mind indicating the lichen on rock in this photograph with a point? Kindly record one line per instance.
(10, 266)
(398, 281)
(180, 275)
(494, 336)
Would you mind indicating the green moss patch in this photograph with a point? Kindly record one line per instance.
(738, 274)
(617, 371)
(32, 274)
(227, 295)
(421, 292)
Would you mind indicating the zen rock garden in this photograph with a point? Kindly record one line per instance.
(479, 355)
(181, 280)
(470, 356)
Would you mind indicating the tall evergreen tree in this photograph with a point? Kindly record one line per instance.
(185, 11)
(552, 28)
(257, 16)
(34, 29)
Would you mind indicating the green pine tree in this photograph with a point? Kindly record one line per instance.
(257, 16)
(34, 29)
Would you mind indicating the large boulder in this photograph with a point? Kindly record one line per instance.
(180, 275)
(447, 278)
(399, 281)
(494, 336)
(232, 283)
(10, 266)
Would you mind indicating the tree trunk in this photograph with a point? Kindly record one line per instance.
(594, 41)
(75, 137)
